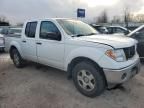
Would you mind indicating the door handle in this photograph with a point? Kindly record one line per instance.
(24, 41)
(38, 43)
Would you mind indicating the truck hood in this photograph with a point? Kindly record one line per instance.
(111, 40)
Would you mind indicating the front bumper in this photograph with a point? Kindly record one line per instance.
(122, 75)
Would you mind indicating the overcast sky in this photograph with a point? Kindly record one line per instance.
(21, 10)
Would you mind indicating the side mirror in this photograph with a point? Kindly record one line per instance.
(51, 36)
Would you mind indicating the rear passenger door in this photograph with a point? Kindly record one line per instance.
(29, 41)
(50, 45)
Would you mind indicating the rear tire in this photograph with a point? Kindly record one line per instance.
(17, 59)
(88, 79)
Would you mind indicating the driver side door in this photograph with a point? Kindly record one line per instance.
(50, 50)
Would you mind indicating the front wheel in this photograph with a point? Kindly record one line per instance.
(17, 59)
(88, 79)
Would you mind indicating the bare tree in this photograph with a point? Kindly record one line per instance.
(4, 21)
(127, 17)
(19, 24)
(103, 18)
(139, 18)
(116, 19)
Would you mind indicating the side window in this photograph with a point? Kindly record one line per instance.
(109, 30)
(48, 30)
(30, 29)
(119, 30)
(113, 29)
(27, 29)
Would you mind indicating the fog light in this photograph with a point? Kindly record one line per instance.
(124, 76)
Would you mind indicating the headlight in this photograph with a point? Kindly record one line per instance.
(117, 55)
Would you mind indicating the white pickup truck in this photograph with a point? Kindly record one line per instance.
(94, 61)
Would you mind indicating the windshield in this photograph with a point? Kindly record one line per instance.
(76, 28)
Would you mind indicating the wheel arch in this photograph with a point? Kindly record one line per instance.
(15, 45)
(77, 60)
(10, 50)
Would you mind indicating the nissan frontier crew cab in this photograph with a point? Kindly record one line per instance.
(94, 61)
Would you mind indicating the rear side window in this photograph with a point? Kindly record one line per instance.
(110, 30)
(30, 29)
(119, 30)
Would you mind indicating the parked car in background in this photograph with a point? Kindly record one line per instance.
(8, 31)
(2, 43)
(138, 34)
(11, 30)
(100, 29)
(4, 30)
(14, 31)
(94, 61)
(2, 39)
(117, 30)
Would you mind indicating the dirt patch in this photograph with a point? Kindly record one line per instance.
(45, 87)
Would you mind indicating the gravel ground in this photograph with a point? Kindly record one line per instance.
(45, 87)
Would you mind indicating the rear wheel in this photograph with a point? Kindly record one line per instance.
(88, 79)
(17, 59)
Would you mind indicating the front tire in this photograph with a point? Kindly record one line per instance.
(88, 79)
(17, 59)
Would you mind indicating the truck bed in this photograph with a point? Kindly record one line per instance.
(9, 39)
